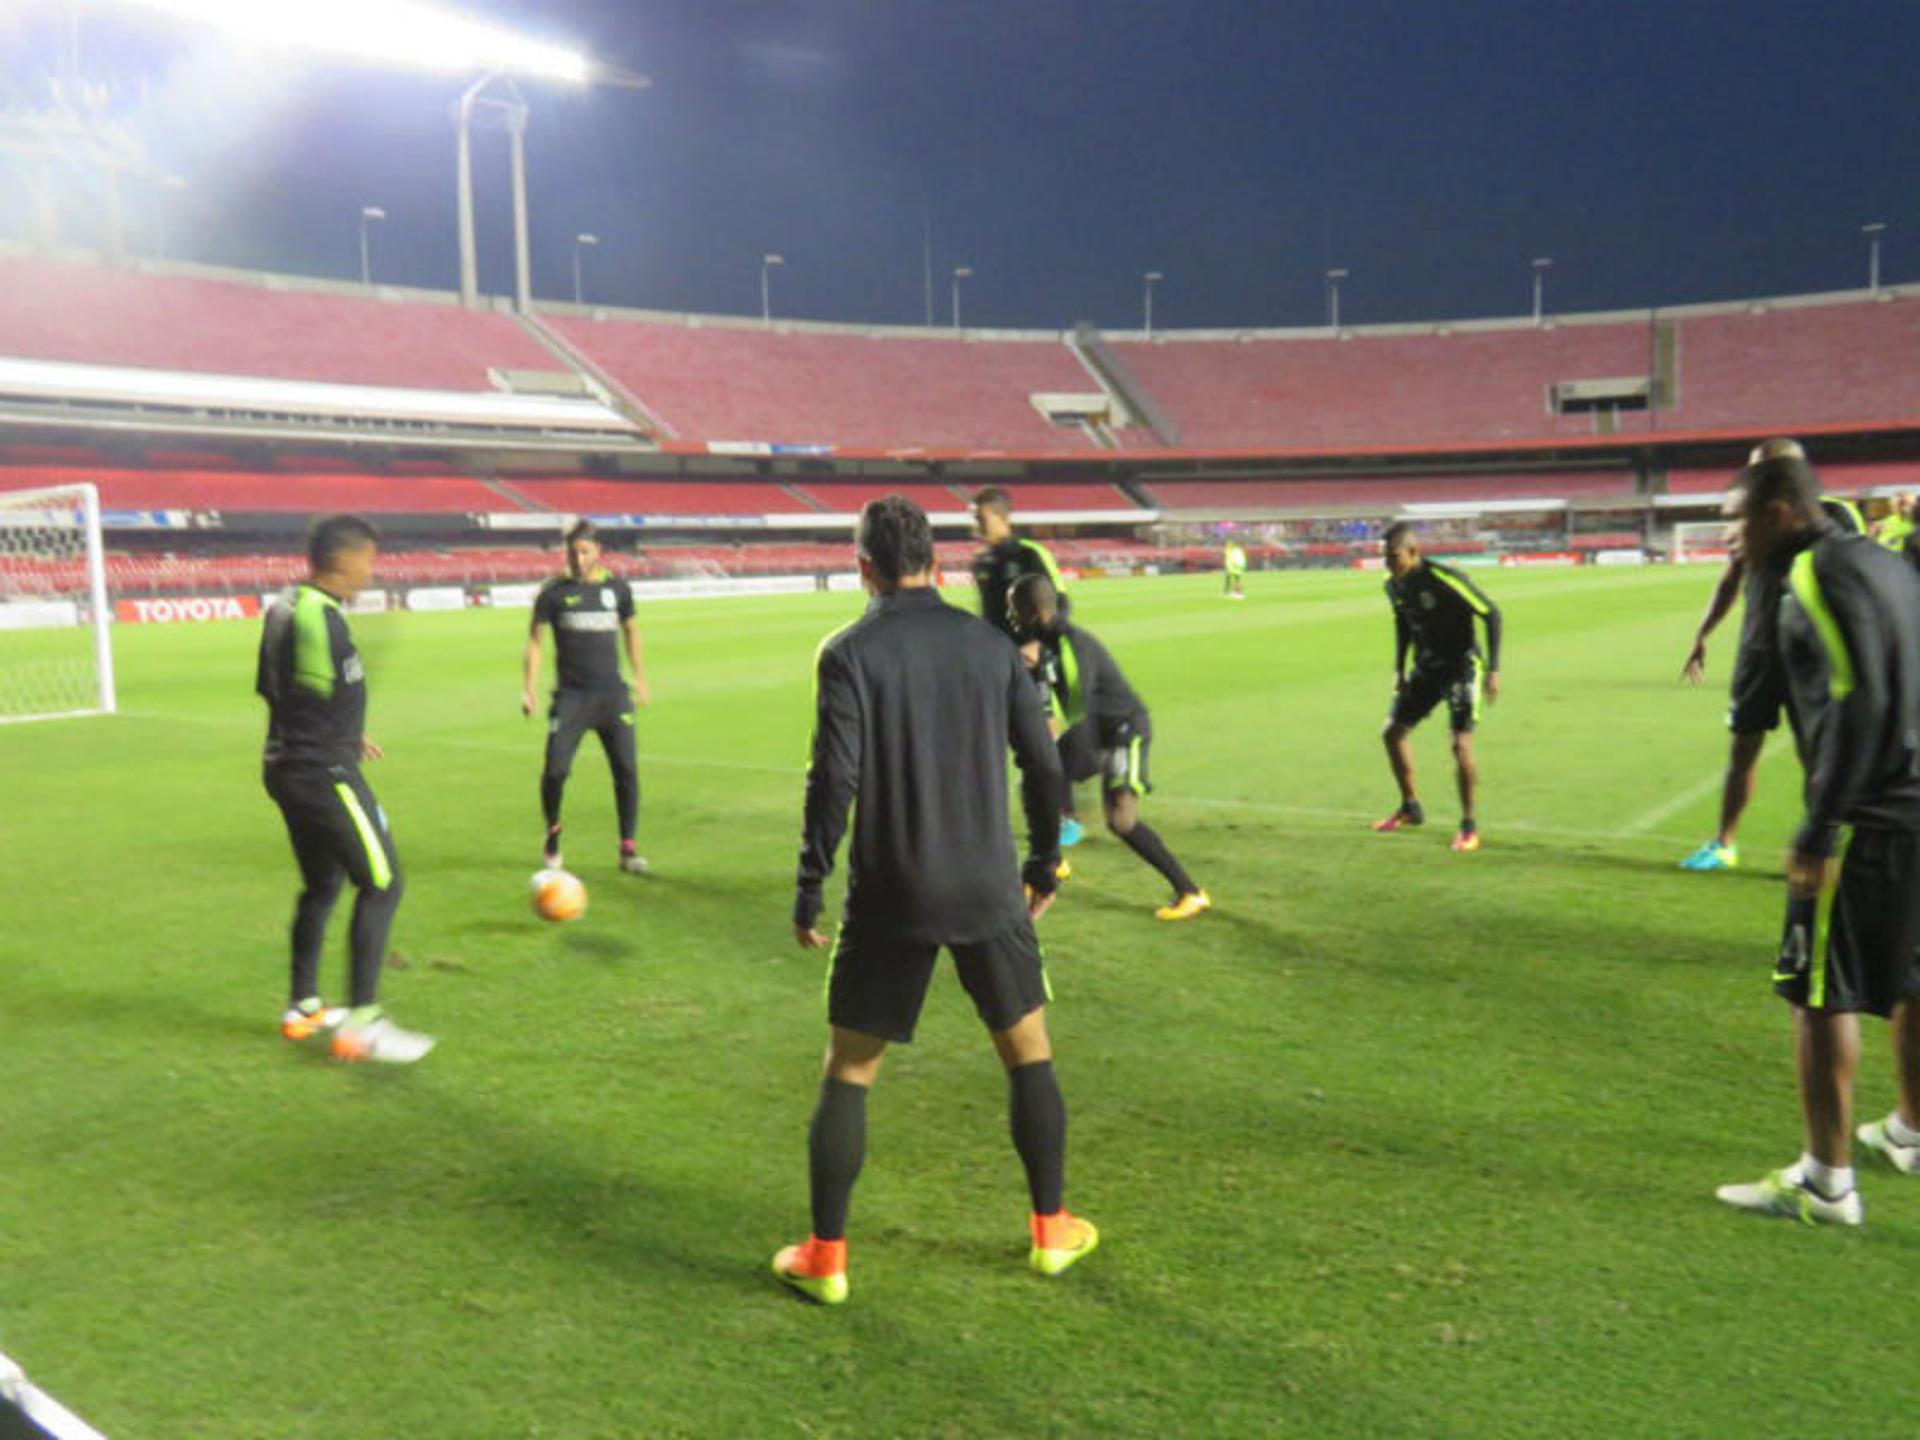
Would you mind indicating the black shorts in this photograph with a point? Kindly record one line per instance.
(335, 824)
(1428, 685)
(576, 713)
(876, 985)
(1758, 694)
(1854, 948)
(1120, 762)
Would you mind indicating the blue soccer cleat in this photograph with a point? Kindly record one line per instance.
(1712, 856)
(1070, 832)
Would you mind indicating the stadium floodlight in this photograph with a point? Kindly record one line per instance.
(960, 272)
(385, 32)
(1873, 233)
(1148, 281)
(580, 242)
(1541, 265)
(767, 264)
(1334, 277)
(165, 186)
(369, 215)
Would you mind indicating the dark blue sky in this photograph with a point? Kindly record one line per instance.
(1661, 151)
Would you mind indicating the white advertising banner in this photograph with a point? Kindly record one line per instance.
(511, 595)
(38, 614)
(437, 597)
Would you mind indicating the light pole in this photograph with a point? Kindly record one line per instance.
(1873, 233)
(768, 264)
(1334, 277)
(1541, 265)
(580, 242)
(369, 215)
(960, 272)
(1147, 282)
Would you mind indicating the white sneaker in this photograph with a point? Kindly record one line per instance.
(300, 1022)
(634, 864)
(1904, 1157)
(1786, 1193)
(381, 1040)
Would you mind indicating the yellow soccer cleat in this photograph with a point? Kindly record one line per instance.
(817, 1270)
(1061, 1241)
(1186, 907)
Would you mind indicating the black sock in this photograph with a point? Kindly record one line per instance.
(551, 789)
(310, 914)
(1145, 842)
(1412, 810)
(836, 1149)
(1037, 1114)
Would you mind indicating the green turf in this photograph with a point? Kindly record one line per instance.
(1395, 1142)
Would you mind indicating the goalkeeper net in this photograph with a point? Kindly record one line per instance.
(56, 652)
(1699, 540)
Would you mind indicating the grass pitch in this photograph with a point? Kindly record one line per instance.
(1394, 1142)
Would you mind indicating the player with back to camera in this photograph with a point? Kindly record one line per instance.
(586, 608)
(1847, 635)
(916, 705)
(314, 683)
(1434, 610)
(1005, 557)
(1758, 691)
(1233, 557)
(1105, 730)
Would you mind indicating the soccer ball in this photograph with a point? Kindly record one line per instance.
(558, 896)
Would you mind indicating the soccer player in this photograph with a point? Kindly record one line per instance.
(315, 687)
(1107, 729)
(1847, 633)
(1896, 527)
(1758, 695)
(916, 705)
(1003, 559)
(1434, 609)
(586, 607)
(1234, 559)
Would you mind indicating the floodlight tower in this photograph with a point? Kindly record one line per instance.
(1147, 282)
(1541, 264)
(960, 272)
(1873, 233)
(1334, 277)
(767, 265)
(369, 215)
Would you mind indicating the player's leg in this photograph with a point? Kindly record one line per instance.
(1736, 794)
(321, 874)
(566, 725)
(1006, 977)
(1827, 1056)
(1412, 703)
(616, 732)
(1897, 1136)
(875, 988)
(373, 865)
(1758, 697)
(1124, 782)
(1463, 714)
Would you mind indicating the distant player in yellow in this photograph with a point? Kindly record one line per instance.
(1893, 528)
(1235, 561)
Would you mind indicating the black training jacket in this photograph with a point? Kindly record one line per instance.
(1849, 638)
(917, 704)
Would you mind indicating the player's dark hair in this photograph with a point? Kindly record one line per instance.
(1783, 478)
(992, 497)
(332, 534)
(582, 530)
(895, 537)
(1397, 534)
(1032, 604)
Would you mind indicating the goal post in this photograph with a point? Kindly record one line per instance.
(56, 638)
(1699, 540)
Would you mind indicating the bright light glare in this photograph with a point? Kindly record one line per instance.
(391, 32)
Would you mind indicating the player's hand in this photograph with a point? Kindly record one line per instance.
(1493, 686)
(1039, 902)
(528, 704)
(808, 938)
(369, 750)
(1808, 876)
(1695, 670)
(642, 697)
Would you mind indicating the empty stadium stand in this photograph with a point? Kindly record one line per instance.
(237, 490)
(92, 314)
(1840, 477)
(658, 497)
(854, 391)
(1386, 492)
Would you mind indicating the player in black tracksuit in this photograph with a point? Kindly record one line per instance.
(1104, 730)
(1847, 636)
(314, 684)
(1434, 610)
(916, 705)
(587, 608)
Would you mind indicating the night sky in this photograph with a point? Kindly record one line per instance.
(1660, 152)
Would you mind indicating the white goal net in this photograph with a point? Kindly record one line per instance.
(56, 650)
(1699, 540)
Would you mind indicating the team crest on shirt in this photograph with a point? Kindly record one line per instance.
(606, 596)
(1427, 600)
